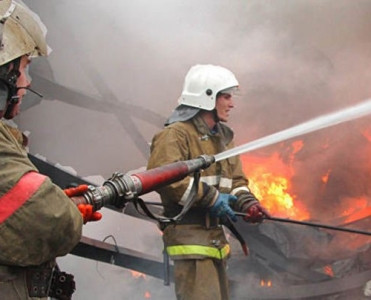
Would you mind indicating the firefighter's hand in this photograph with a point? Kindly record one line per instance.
(86, 210)
(88, 214)
(221, 206)
(255, 213)
(76, 190)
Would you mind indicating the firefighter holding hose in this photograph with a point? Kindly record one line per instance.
(38, 221)
(197, 243)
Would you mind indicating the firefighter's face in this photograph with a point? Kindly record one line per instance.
(22, 81)
(224, 104)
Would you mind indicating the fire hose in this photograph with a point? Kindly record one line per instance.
(122, 188)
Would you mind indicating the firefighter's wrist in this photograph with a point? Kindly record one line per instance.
(246, 200)
(247, 204)
(209, 198)
(214, 199)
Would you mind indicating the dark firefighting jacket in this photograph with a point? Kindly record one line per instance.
(38, 222)
(198, 235)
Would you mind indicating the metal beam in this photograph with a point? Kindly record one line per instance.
(119, 256)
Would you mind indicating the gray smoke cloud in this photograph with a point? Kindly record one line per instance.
(117, 69)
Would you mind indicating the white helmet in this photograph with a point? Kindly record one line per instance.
(21, 32)
(203, 83)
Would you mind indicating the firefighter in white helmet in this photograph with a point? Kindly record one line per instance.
(197, 244)
(38, 221)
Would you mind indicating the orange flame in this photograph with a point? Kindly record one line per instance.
(325, 177)
(270, 181)
(328, 270)
(358, 210)
(266, 283)
(136, 274)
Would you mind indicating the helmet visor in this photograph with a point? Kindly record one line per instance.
(233, 91)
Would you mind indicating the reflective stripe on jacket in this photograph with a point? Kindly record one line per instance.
(19, 194)
(195, 241)
(193, 250)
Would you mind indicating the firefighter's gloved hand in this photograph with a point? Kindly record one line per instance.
(86, 210)
(88, 214)
(221, 207)
(255, 213)
(75, 191)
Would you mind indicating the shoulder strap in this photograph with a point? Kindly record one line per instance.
(188, 204)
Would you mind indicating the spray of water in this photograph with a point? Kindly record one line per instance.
(360, 110)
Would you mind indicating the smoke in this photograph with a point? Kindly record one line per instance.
(117, 69)
(343, 157)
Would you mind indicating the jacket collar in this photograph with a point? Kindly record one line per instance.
(219, 130)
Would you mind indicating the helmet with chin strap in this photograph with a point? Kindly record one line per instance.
(21, 33)
(201, 86)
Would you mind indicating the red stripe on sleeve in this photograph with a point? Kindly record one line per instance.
(19, 194)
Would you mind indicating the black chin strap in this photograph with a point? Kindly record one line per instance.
(215, 115)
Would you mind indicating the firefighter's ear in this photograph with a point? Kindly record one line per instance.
(4, 95)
